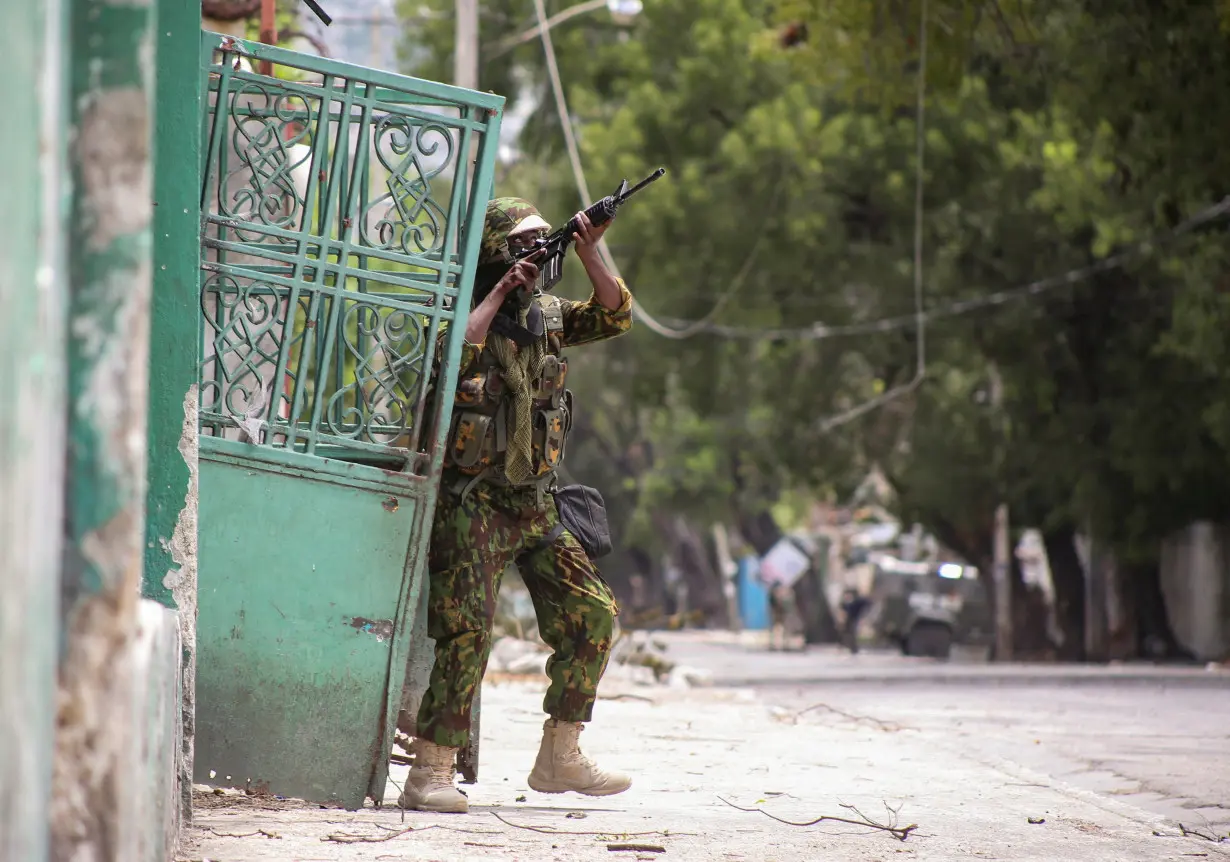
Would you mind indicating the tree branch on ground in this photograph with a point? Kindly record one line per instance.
(1207, 836)
(390, 833)
(886, 726)
(609, 833)
(244, 835)
(626, 696)
(901, 833)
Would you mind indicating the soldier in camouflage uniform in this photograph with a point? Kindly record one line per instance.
(510, 420)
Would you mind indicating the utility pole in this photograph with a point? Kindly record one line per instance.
(1097, 647)
(269, 32)
(465, 56)
(1002, 547)
(1003, 586)
(465, 61)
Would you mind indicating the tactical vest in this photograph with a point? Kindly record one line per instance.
(480, 426)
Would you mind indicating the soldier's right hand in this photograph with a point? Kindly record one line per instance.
(524, 273)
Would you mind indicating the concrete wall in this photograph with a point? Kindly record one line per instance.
(171, 499)
(1196, 583)
(33, 296)
(151, 813)
(89, 673)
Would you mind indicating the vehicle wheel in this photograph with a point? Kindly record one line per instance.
(929, 639)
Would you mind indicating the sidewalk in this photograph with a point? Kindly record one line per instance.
(688, 748)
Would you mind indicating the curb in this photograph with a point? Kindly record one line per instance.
(1194, 679)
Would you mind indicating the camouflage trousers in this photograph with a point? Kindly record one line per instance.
(472, 541)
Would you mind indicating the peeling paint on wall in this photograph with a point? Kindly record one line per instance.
(113, 149)
(382, 629)
(110, 326)
(99, 724)
(182, 582)
(92, 723)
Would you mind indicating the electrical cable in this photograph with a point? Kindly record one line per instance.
(578, 172)
(920, 363)
(820, 331)
(574, 158)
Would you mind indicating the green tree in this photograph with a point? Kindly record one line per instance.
(789, 133)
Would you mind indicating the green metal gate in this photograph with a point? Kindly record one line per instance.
(341, 214)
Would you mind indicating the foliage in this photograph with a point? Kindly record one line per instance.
(1057, 134)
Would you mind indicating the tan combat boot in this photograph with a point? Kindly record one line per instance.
(561, 766)
(430, 785)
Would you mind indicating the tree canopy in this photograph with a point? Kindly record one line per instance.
(1066, 146)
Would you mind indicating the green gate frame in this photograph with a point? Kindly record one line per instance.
(323, 299)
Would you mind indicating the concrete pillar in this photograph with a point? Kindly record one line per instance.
(1195, 578)
(118, 692)
(33, 281)
(175, 322)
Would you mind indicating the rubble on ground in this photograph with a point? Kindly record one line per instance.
(637, 659)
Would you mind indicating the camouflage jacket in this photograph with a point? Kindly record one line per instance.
(476, 434)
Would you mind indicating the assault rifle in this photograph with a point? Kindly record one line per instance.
(548, 253)
(553, 248)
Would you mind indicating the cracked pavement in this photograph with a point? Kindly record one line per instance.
(1039, 764)
(1157, 738)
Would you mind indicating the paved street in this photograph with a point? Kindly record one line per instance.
(1157, 738)
(1026, 768)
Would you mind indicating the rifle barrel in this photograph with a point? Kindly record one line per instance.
(654, 177)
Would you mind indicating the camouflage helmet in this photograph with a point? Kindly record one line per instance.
(504, 216)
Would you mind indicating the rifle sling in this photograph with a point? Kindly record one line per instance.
(522, 336)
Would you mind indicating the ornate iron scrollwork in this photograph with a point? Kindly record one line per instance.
(309, 204)
(267, 126)
(407, 217)
(246, 323)
(386, 346)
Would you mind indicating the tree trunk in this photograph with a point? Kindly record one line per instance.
(1031, 640)
(819, 624)
(646, 588)
(760, 530)
(1145, 605)
(1068, 577)
(704, 582)
(1122, 614)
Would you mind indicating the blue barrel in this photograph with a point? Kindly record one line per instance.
(753, 596)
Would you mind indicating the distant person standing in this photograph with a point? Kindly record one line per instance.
(782, 608)
(853, 606)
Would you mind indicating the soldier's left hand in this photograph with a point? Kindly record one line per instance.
(586, 238)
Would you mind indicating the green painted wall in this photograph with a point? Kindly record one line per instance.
(171, 514)
(32, 415)
(75, 269)
(109, 55)
(109, 262)
(174, 310)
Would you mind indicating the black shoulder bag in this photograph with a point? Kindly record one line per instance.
(582, 513)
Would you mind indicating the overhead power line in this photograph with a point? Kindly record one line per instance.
(574, 157)
(682, 329)
(821, 331)
(696, 327)
(828, 423)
